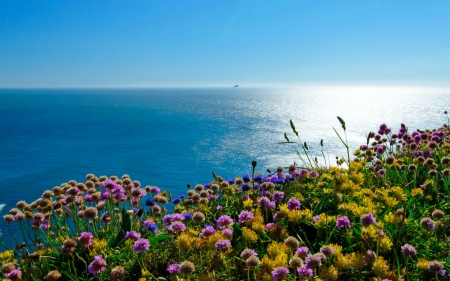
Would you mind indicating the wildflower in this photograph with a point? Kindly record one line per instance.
(428, 223)
(187, 267)
(277, 196)
(270, 226)
(178, 227)
(437, 214)
(85, 239)
(293, 204)
(224, 221)
(141, 245)
(97, 265)
(279, 273)
(173, 268)
(53, 275)
(302, 251)
(252, 261)
(291, 242)
(295, 262)
(90, 213)
(245, 216)
(118, 273)
(248, 253)
(132, 235)
(380, 266)
(368, 219)
(227, 233)
(249, 235)
(327, 251)
(15, 274)
(313, 261)
(305, 272)
(342, 222)
(198, 217)
(222, 244)
(436, 267)
(385, 243)
(409, 250)
(422, 264)
(152, 227)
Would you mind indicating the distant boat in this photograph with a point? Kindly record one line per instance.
(235, 86)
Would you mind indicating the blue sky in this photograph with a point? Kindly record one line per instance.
(219, 43)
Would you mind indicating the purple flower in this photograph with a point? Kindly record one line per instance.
(85, 239)
(368, 219)
(15, 274)
(207, 231)
(305, 272)
(293, 204)
(245, 216)
(97, 265)
(314, 174)
(342, 222)
(228, 233)
(270, 225)
(224, 221)
(279, 273)
(428, 223)
(133, 235)
(263, 201)
(313, 261)
(173, 268)
(315, 218)
(178, 226)
(248, 253)
(302, 251)
(409, 250)
(155, 190)
(222, 244)
(141, 245)
(277, 196)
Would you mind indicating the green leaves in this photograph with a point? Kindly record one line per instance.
(342, 122)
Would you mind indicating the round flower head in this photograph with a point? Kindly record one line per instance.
(279, 273)
(252, 261)
(178, 226)
(292, 242)
(187, 267)
(428, 223)
(97, 265)
(313, 261)
(302, 251)
(368, 219)
(436, 267)
(438, 214)
(227, 233)
(118, 273)
(15, 274)
(305, 272)
(245, 216)
(409, 250)
(132, 235)
(342, 222)
(198, 217)
(173, 268)
(248, 253)
(53, 275)
(327, 251)
(277, 196)
(207, 231)
(85, 239)
(293, 204)
(224, 221)
(222, 244)
(295, 262)
(141, 245)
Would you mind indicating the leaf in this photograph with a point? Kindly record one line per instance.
(319, 206)
(156, 239)
(118, 240)
(114, 258)
(126, 221)
(357, 230)
(342, 122)
(306, 145)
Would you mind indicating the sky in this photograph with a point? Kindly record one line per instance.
(85, 43)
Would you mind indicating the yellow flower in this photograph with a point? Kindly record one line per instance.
(184, 241)
(380, 266)
(249, 235)
(275, 249)
(284, 209)
(330, 273)
(355, 166)
(337, 248)
(258, 227)
(324, 220)
(357, 261)
(386, 243)
(280, 260)
(370, 232)
(349, 208)
(416, 192)
(204, 208)
(145, 274)
(390, 202)
(248, 204)
(212, 240)
(357, 178)
(390, 218)
(422, 264)
(343, 262)
(295, 216)
(98, 246)
(6, 254)
(267, 263)
(398, 193)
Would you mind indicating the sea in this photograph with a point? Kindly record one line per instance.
(173, 137)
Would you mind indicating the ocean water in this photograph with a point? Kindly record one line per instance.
(171, 137)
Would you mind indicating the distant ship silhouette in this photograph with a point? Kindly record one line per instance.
(235, 86)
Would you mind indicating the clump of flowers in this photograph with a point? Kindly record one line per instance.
(382, 215)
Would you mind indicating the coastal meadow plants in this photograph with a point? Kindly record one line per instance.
(382, 215)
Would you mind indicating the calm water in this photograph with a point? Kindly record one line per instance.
(173, 137)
